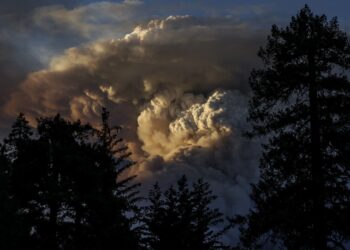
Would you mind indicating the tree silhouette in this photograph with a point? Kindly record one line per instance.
(67, 187)
(113, 203)
(182, 218)
(301, 102)
(17, 215)
(9, 222)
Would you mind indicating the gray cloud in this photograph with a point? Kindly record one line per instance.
(183, 54)
(177, 85)
(32, 32)
(205, 140)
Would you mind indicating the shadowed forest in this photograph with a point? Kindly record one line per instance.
(65, 184)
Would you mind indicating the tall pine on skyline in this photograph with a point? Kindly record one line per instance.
(301, 103)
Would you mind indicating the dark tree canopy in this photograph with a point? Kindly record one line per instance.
(10, 224)
(62, 185)
(301, 103)
(181, 218)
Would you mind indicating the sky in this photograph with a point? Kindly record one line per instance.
(174, 74)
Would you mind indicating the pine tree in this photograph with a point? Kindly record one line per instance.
(301, 104)
(114, 201)
(64, 159)
(182, 218)
(66, 185)
(9, 221)
(18, 213)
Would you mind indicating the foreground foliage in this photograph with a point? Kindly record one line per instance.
(301, 102)
(62, 187)
(181, 218)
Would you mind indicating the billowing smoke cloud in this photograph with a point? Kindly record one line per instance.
(177, 85)
(202, 137)
(168, 125)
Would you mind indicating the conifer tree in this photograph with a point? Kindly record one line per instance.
(64, 184)
(9, 221)
(181, 218)
(114, 201)
(19, 213)
(301, 104)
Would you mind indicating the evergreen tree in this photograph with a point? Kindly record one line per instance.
(301, 103)
(182, 218)
(113, 201)
(18, 214)
(63, 181)
(9, 221)
(63, 161)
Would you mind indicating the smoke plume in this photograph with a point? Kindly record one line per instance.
(179, 88)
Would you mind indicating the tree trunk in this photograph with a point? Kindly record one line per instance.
(319, 230)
